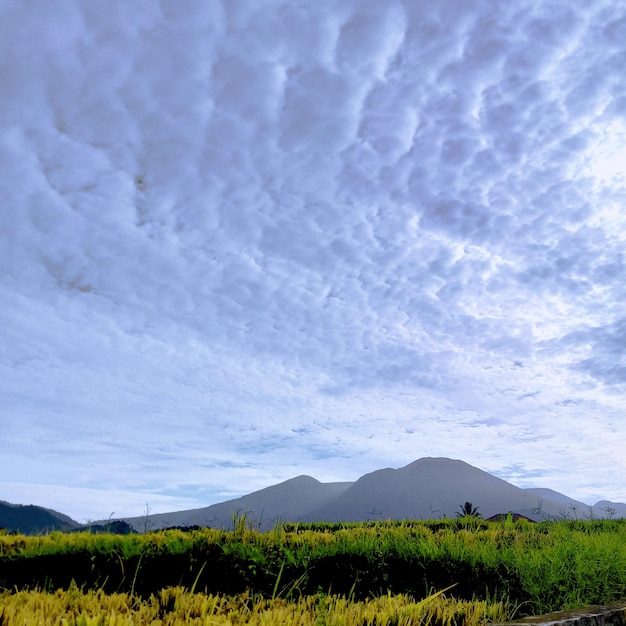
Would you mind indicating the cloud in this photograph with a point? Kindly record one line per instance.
(606, 347)
(311, 239)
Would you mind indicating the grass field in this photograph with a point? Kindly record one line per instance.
(317, 574)
(178, 606)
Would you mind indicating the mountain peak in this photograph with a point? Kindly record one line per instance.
(427, 488)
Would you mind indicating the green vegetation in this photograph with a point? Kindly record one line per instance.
(507, 566)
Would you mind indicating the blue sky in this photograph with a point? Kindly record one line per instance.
(243, 241)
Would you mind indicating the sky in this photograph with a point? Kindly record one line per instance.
(244, 241)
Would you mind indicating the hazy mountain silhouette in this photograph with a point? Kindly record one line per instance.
(555, 496)
(428, 488)
(288, 501)
(606, 508)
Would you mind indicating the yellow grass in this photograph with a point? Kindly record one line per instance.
(175, 606)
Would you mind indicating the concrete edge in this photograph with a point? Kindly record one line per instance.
(595, 615)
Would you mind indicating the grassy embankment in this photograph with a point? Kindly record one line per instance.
(491, 570)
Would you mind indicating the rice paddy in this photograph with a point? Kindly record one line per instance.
(444, 572)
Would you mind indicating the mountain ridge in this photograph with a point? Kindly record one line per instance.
(32, 519)
(430, 487)
(427, 488)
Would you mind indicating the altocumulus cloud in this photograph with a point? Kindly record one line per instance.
(243, 241)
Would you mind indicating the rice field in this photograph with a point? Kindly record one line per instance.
(444, 572)
(176, 606)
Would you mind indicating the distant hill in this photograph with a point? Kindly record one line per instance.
(428, 488)
(606, 508)
(30, 519)
(291, 500)
(555, 496)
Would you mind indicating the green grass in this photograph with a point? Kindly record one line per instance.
(538, 567)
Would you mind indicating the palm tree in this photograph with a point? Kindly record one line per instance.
(468, 510)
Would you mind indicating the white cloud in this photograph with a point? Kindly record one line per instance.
(243, 244)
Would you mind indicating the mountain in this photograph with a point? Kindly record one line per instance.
(288, 501)
(427, 488)
(555, 496)
(606, 508)
(30, 519)
(579, 510)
